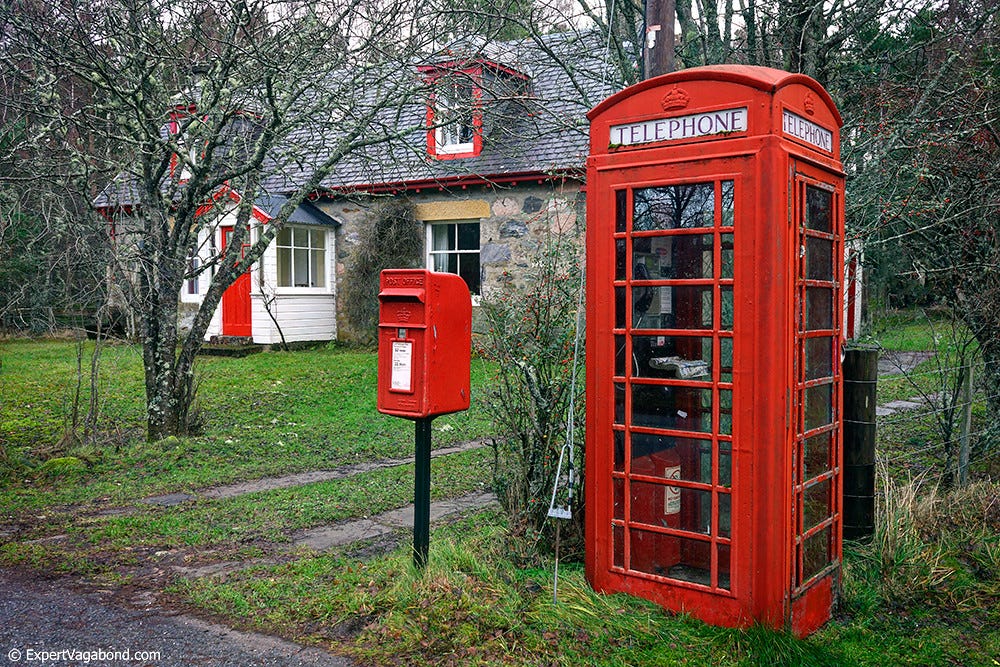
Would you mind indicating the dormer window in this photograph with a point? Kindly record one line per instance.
(179, 168)
(455, 115)
(470, 98)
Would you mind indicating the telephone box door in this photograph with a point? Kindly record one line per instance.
(676, 287)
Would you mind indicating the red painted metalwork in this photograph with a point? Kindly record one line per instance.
(236, 306)
(424, 343)
(714, 330)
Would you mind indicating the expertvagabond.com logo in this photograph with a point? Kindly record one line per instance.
(78, 656)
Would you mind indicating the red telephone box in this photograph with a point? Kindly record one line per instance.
(715, 225)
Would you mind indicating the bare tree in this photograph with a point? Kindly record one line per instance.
(199, 98)
(924, 165)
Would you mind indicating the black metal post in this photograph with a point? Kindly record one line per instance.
(860, 384)
(422, 492)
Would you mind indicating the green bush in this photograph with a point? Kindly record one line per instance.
(532, 336)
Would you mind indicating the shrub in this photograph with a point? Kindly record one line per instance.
(391, 238)
(531, 336)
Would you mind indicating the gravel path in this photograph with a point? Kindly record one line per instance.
(51, 622)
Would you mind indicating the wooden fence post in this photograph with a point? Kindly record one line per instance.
(860, 385)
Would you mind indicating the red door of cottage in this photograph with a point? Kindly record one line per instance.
(236, 300)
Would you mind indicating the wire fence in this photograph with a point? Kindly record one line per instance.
(933, 420)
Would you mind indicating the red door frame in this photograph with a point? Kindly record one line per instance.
(237, 312)
(648, 135)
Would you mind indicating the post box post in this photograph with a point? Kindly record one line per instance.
(424, 363)
(422, 491)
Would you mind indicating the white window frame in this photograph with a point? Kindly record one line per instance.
(452, 116)
(323, 261)
(431, 253)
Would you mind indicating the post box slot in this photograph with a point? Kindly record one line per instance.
(394, 294)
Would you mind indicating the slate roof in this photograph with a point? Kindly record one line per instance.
(305, 213)
(543, 131)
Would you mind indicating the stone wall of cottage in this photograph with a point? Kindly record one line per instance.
(514, 223)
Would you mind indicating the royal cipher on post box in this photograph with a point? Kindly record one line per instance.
(715, 228)
(424, 343)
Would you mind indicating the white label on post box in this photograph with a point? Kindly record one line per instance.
(402, 366)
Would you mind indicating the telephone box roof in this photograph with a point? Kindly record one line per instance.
(762, 78)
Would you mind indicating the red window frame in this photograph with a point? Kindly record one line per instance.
(474, 75)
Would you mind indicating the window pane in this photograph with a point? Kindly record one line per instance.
(680, 558)
(284, 267)
(317, 238)
(674, 207)
(815, 504)
(468, 236)
(727, 256)
(652, 453)
(724, 551)
(816, 457)
(619, 355)
(468, 268)
(318, 268)
(819, 259)
(621, 197)
(725, 514)
(819, 406)
(819, 358)
(726, 361)
(691, 257)
(667, 506)
(728, 209)
(727, 308)
(620, 259)
(819, 209)
(672, 307)
(816, 553)
(285, 236)
(300, 237)
(300, 267)
(618, 538)
(620, 307)
(685, 358)
(619, 403)
(442, 237)
(653, 257)
(682, 408)
(619, 441)
(619, 491)
(725, 463)
(819, 308)
(726, 411)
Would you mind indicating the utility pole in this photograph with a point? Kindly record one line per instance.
(658, 54)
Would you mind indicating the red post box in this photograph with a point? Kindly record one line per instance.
(424, 343)
(715, 273)
(424, 355)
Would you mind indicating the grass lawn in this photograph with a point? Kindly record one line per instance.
(933, 598)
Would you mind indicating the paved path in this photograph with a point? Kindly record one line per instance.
(40, 618)
(297, 479)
